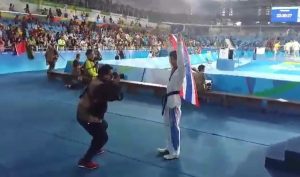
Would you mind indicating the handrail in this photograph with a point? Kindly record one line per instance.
(40, 49)
(21, 13)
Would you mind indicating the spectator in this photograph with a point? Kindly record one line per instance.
(76, 80)
(90, 69)
(150, 55)
(61, 43)
(50, 15)
(58, 12)
(2, 48)
(199, 78)
(27, 9)
(121, 54)
(1, 30)
(98, 56)
(117, 57)
(66, 15)
(44, 11)
(76, 65)
(51, 56)
(11, 7)
(32, 43)
(83, 44)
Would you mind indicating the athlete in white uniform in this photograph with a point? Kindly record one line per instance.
(172, 104)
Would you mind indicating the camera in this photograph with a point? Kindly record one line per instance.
(208, 85)
(116, 75)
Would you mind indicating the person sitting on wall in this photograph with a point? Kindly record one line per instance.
(199, 78)
(76, 80)
(150, 55)
(117, 57)
(51, 56)
(121, 54)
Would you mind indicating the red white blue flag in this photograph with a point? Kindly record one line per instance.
(188, 91)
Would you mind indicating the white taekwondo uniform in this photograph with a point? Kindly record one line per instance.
(172, 108)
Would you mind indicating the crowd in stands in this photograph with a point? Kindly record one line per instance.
(80, 35)
(75, 35)
(245, 42)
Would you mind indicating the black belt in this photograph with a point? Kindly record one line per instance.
(165, 99)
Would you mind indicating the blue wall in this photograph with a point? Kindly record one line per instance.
(270, 88)
(11, 64)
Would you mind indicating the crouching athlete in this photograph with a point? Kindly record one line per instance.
(91, 109)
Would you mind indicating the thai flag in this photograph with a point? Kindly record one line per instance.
(189, 90)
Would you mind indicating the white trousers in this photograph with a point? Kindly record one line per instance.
(172, 118)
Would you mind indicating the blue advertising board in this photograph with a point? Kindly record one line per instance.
(285, 14)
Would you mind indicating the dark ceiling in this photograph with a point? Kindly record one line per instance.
(199, 10)
(207, 7)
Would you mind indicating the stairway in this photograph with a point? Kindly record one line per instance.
(284, 156)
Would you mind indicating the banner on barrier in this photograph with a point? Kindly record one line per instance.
(224, 53)
(260, 50)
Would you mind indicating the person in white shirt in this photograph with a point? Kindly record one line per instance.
(287, 48)
(172, 104)
(83, 45)
(150, 55)
(296, 48)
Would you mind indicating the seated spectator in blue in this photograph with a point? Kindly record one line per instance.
(150, 55)
(117, 57)
(120, 55)
(76, 70)
(76, 80)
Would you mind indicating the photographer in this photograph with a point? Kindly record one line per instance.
(91, 109)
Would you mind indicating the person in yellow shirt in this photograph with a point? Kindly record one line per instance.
(61, 43)
(90, 67)
(276, 49)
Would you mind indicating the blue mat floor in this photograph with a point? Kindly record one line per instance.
(40, 136)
